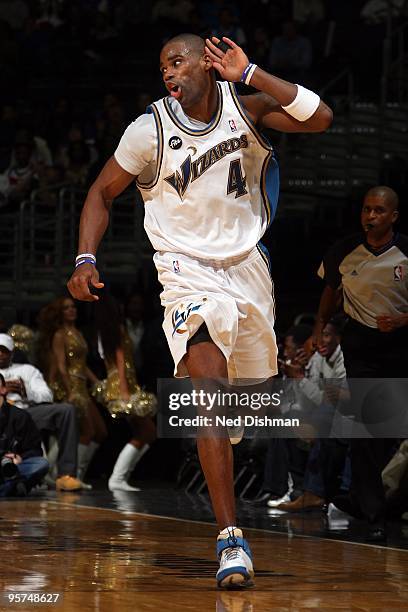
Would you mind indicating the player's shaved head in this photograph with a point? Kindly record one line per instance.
(387, 194)
(192, 42)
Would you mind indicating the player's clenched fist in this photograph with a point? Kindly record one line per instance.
(82, 279)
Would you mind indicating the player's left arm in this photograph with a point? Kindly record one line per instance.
(280, 105)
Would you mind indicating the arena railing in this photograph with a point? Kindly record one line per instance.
(46, 244)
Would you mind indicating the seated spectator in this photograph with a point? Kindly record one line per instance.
(27, 389)
(40, 154)
(286, 458)
(290, 55)
(21, 176)
(318, 383)
(21, 460)
(79, 159)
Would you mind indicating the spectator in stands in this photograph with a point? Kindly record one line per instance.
(210, 11)
(110, 128)
(103, 37)
(74, 140)
(79, 159)
(320, 382)
(286, 458)
(27, 390)
(40, 154)
(227, 26)
(259, 45)
(172, 10)
(64, 352)
(290, 56)
(121, 394)
(22, 174)
(8, 130)
(308, 11)
(22, 463)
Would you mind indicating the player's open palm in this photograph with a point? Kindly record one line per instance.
(230, 63)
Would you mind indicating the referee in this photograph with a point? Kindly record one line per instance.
(369, 273)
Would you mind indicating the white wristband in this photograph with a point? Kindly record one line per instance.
(87, 255)
(304, 105)
(250, 73)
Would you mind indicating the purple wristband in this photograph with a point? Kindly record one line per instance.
(84, 261)
(245, 73)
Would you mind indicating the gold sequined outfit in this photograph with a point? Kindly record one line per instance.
(141, 403)
(76, 351)
(112, 380)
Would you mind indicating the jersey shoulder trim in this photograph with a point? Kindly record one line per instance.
(159, 128)
(209, 128)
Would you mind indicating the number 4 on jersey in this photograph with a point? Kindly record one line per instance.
(236, 180)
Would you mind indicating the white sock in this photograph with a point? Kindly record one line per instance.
(229, 531)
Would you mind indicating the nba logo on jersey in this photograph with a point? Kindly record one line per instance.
(176, 266)
(232, 125)
(398, 274)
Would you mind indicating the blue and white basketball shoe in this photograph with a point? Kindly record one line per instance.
(235, 558)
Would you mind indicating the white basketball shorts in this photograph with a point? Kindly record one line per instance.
(234, 298)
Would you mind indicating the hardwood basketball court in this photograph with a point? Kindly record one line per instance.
(121, 560)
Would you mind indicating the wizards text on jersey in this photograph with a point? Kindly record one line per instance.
(190, 171)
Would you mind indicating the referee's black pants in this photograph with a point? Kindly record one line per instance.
(369, 353)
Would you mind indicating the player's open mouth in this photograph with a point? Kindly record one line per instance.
(175, 91)
(368, 227)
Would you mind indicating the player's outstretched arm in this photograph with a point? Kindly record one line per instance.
(94, 220)
(282, 105)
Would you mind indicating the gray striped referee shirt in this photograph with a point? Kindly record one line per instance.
(373, 282)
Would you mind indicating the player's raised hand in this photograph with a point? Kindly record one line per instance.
(83, 278)
(230, 63)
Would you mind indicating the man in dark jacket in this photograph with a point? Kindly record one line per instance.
(21, 462)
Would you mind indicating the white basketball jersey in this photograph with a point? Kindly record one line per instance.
(216, 189)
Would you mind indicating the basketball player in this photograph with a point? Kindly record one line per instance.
(209, 181)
